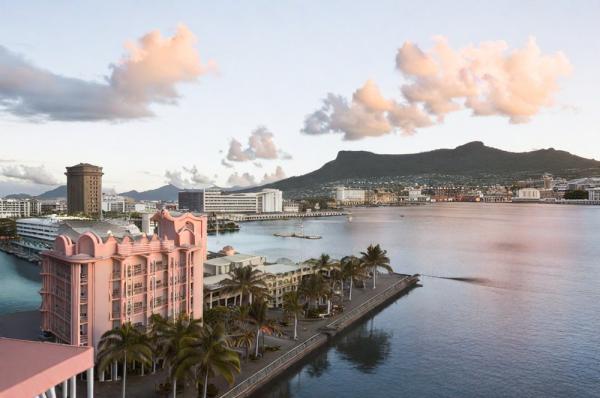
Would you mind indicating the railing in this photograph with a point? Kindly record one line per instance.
(367, 305)
(267, 370)
(300, 349)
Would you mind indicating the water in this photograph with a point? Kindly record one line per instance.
(20, 282)
(521, 318)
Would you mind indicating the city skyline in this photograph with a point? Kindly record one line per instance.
(233, 108)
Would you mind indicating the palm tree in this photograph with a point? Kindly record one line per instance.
(313, 287)
(247, 282)
(170, 336)
(124, 343)
(292, 306)
(351, 269)
(244, 337)
(375, 258)
(258, 317)
(323, 263)
(207, 355)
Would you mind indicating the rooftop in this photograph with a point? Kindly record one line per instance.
(29, 368)
(236, 258)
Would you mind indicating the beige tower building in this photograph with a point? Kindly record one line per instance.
(84, 190)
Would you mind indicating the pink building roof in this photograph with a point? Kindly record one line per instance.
(29, 368)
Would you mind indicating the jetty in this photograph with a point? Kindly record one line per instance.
(283, 216)
(320, 332)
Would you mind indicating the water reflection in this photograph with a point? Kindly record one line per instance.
(366, 347)
(318, 366)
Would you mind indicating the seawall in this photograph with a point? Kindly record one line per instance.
(270, 371)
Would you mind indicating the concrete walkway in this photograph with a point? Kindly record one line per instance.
(138, 386)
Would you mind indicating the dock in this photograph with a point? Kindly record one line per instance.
(283, 216)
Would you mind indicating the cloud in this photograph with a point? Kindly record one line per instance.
(489, 80)
(367, 115)
(279, 174)
(147, 74)
(226, 164)
(241, 180)
(32, 174)
(260, 146)
(187, 178)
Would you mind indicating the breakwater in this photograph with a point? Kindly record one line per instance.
(283, 216)
(337, 324)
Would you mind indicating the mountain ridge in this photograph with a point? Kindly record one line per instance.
(470, 159)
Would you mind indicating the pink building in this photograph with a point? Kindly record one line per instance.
(97, 283)
(33, 369)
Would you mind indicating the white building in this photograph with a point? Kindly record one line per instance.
(291, 207)
(270, 201)
(345, 195)
(213, 200)
(528, 194)
(280, 278)
(38, 234)
(17, 208)
(593, 194)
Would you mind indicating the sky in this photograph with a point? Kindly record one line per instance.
(237, 93)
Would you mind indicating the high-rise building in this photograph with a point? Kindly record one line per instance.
(84, 190)
(93, 283)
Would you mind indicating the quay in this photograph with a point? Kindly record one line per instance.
(391, 287)
(312, 335)
(283, 216)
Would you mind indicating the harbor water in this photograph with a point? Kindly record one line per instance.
(518, 316)
(510, 306)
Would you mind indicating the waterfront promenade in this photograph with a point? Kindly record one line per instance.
(312, 334)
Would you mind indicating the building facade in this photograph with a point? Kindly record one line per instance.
(350, 196)
(94, 284)
(17, 208)
(213, 200)
(84, 190)
(528, 194)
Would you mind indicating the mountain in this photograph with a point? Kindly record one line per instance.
(165, 193)
(56, 193)
(471, 160)
(18, 196)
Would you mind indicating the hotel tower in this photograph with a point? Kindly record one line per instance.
(93, 284)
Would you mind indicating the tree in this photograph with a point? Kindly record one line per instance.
(293, 306)
(375, 258)
(207, 355)
(351, 269)
(576, 194)
(247, 282)
(323, 263)
(124, 343)
(313, 287)
(244, 337)
(259, 318)
(170, 336)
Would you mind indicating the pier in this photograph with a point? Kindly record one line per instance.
(283, 216)
(391, 287)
